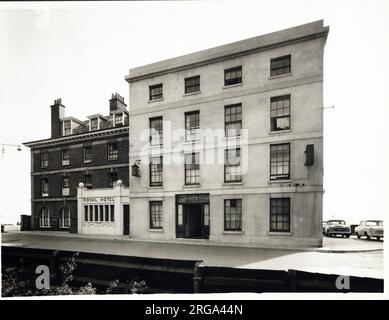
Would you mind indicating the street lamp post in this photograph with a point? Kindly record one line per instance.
(3, 145)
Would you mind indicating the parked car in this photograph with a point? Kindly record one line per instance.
(370, 228)
(337, 227)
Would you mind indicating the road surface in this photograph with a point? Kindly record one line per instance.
(357, 263)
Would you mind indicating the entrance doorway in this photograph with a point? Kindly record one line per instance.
(126, 219)
(192, 218)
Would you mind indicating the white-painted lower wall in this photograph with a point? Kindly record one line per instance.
(99, 228)
(117, 196)
(305, 215)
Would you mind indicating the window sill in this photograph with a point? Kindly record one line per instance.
(155, 230)
(155, 146)
(275, 233)
(65, 165)
(154, 187)
(156, 100)
(190, 143)
(240, 183)
(45, 195)
(191, 93)
(232, 138)
(189, 186)
(45, 227)
(90, 161)
(280, 181)
(281, 76)
(112, 159)
(64, 227)
(281, 131)
(233, 232)
(99, 222)
(233, 85)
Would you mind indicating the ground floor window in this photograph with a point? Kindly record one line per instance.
(233, 215)
(99, 213)
(280, 214)
(64, 219)
(156, 215)
(44, 219)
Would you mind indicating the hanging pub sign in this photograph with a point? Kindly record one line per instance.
(309, 155)
(135, 172)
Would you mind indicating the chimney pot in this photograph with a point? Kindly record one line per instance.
(117, 103)
(57, 113)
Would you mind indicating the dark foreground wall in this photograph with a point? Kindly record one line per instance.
(162, 275)
(185, 276)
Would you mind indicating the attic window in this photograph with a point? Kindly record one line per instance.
(94, 124)
(118, 119)
(67, 128)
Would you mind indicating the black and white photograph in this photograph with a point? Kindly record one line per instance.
(194, 150)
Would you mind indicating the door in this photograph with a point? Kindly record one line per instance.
(192, 221)
(192, 216)
(126, 219)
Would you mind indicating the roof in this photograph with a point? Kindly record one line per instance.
(77, 137)
(73, 119)
(97, 115)
(264, 42)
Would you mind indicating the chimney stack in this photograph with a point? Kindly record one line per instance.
(57, 113)
(116, 103)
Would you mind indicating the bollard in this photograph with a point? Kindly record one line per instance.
(292, 280)
(197, 276)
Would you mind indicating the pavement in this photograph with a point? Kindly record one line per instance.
(338, 256)
(353, 244)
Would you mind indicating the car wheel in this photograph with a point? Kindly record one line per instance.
(347, 236)
(358, 236)
(367, 236)
(378, 238)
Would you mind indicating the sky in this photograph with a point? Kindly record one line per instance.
(81, 52)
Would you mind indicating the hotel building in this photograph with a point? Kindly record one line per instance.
(92, 152)
(265, 187)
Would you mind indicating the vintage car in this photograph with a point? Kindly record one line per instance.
(337, 227)
(370, 228)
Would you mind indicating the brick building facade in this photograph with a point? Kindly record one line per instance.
(94, 152)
